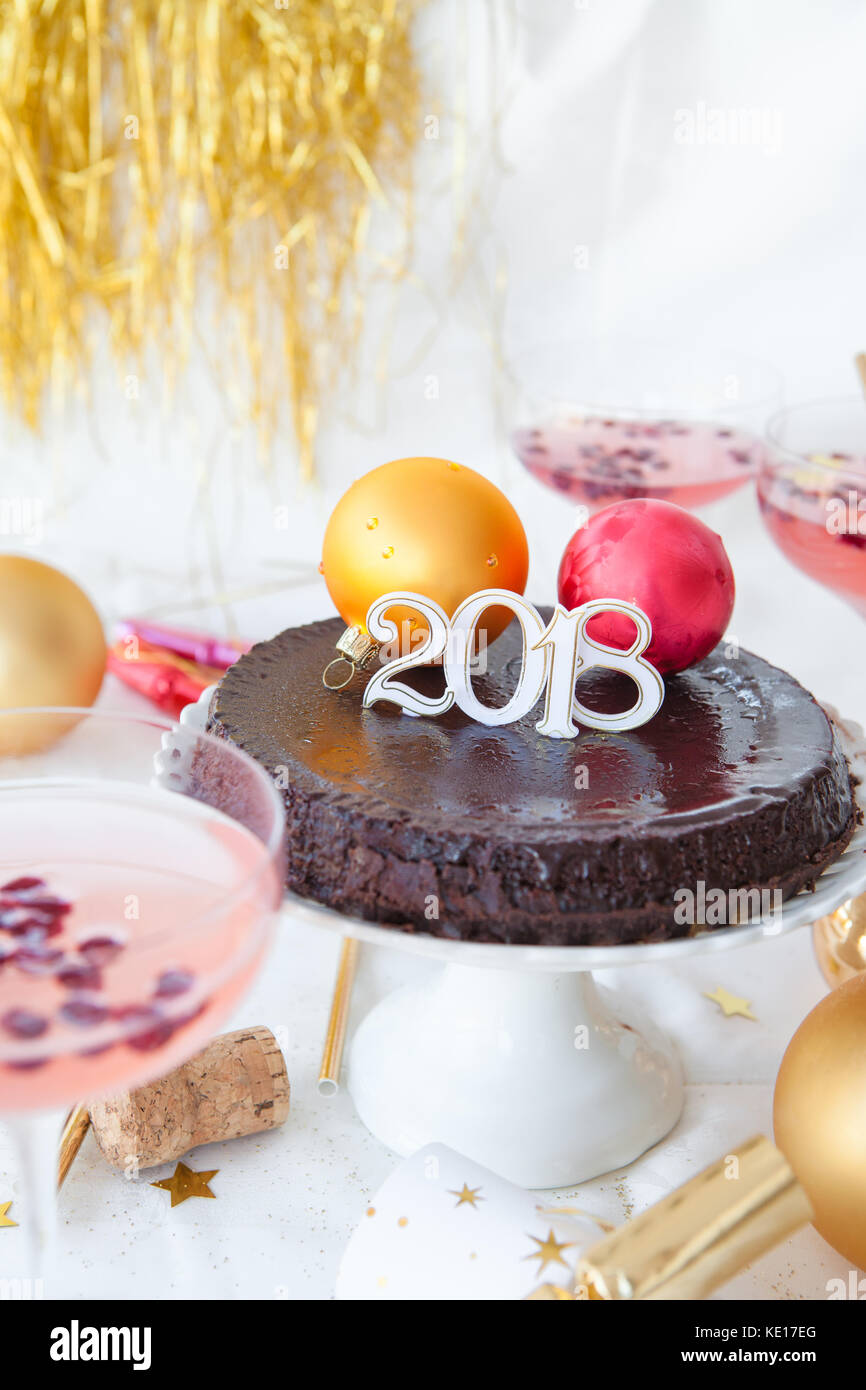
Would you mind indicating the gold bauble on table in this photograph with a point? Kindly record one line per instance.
(52, 646)
(820, 1115)
(426, 526)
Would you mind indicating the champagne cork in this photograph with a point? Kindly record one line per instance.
(705, 1232)
(237, 1086)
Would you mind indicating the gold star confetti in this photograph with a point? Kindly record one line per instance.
(4, 1219)
(467, 1196)
(730, 1004)
(548, 1251)
(185, 1182)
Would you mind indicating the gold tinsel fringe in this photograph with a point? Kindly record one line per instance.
(160, 154)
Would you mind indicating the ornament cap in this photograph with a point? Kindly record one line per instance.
(357, 650)
(703, 1233)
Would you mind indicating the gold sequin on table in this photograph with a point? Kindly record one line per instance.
(549, 1251)
(467, 1196)
(186, 1182)
(388, 552)
(5, 1218)
(372, 523)
(731, 1005)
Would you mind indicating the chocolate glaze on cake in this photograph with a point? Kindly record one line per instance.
(513, 837)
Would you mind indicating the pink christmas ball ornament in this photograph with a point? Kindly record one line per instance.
(665, 560)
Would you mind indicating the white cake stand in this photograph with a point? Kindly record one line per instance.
(515, 1057)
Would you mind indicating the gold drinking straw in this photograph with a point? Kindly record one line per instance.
(332, 1054)
(75, 1127)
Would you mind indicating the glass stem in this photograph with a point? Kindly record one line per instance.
(35, 1139)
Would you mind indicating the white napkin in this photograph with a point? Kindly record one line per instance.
(443, 1227)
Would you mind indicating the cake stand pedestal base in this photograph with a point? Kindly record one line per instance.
(539, 1076)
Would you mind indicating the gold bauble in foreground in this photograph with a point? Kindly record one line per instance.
(840, 941)
(52, 647)
(820, 1115)
(425, 526)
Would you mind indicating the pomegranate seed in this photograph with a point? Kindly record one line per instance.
(42, 902)
(18, 920)
(22, 885)
(49, 904)
(80, 975)
(46, 924)
(38, 960)
(84, 1013)
(173, 982)
(100, 950)
(145, 1026)
(22, 1024)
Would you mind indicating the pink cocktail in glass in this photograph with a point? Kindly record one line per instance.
(140, 869)
(812, 493)
(598, 461)
(626, 418)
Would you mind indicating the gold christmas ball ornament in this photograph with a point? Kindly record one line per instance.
(52, 646)
(819, 1115)
(427, 526)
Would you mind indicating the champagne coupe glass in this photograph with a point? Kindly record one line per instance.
(618, 418)
(140, 872)
(812, 496)
(812, 492)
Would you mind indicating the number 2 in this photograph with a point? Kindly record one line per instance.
(381, 685)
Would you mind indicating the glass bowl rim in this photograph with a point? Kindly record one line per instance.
(27, 1048)
(793, 457)
(514, 352)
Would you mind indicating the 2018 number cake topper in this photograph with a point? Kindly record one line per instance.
(555, 654)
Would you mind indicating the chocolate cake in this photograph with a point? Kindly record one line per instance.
(500, 834)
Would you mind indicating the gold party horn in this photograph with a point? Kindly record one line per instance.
(703, 1233)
